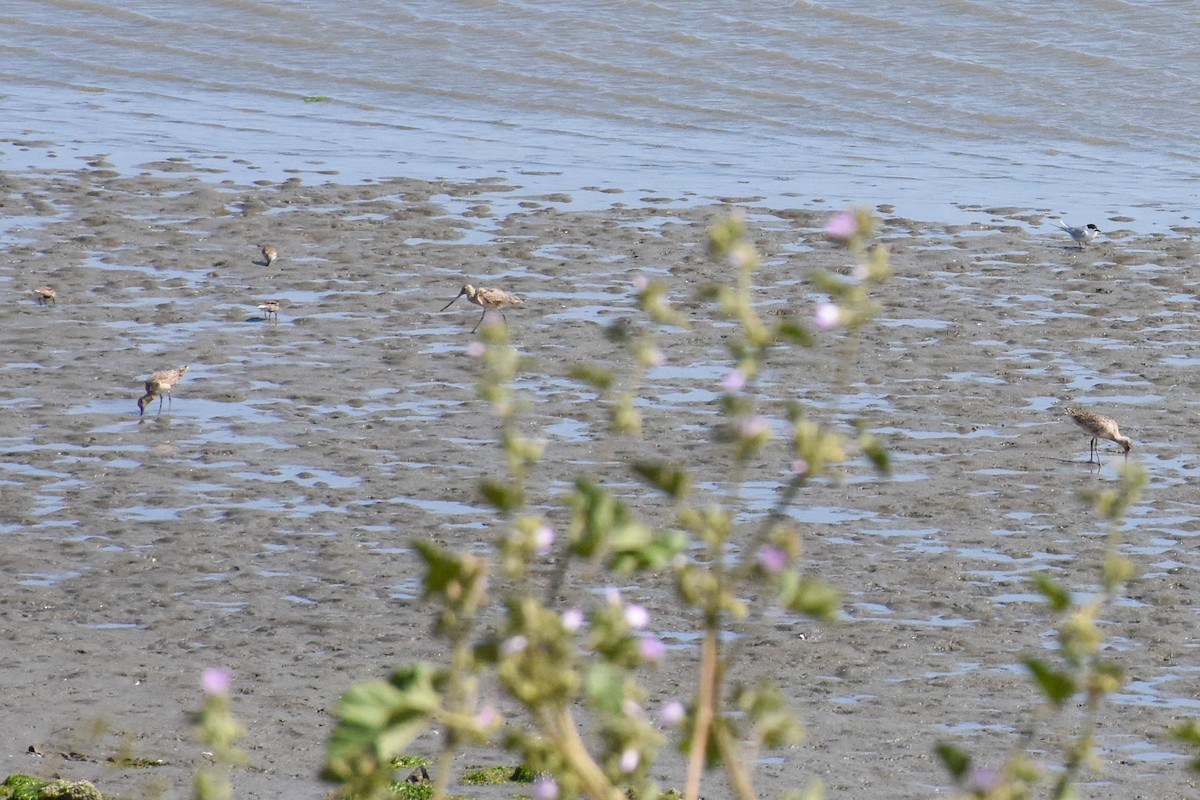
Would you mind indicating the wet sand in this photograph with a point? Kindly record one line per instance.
(262, 521)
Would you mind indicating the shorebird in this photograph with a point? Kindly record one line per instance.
(1099, 426)
(1082, 236)
(46, 294)
(160, 383)
(488, 299)
(270, 307)
(269, 254)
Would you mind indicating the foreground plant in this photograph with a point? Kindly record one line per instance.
(1074, 685)
(554, 661)
(218, 729)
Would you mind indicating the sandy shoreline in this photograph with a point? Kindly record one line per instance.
(263, 523)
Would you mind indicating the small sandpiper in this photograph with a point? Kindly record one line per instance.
(269, 254)
(270, 308)
(46, 294)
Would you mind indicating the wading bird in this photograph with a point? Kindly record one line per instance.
(270, 307)
(488, 299)
(158, 384)
(46, 294)
(1082, 236)
(1099, 426)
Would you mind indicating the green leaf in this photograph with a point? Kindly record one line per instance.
(954, 759)
(504, 497)
(376, 720)
(316, 98)
(795, 332)
(808, 596)
(593, 375)
(1058, 597)
(664, 476)
(605, 688)
(1056, 686)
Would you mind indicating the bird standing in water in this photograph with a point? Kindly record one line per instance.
(46, 294)
(1098, 427)
(158, 384)
(487, 298)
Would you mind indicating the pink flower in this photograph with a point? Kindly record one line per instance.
(841, 226)
(572, 620)
(734, 381)
(514, 645)
(629, 760)
(672, 713)
(487, 717)
(800, 466)
(828, 316)
(640, 282)
(476, 349)
(543, 539)
(752, 426)
(637, 616)
(772, 559)
(656, 357)
(544, 789)
(216, 680)
(652, 649)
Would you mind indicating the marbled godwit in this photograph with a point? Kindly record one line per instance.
(487, 299)
(1099, 426)
(270, 307)
(1082, 236)
(160, 383)
(46, 294)
(269, 254)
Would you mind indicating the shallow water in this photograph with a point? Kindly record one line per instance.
(943, 108)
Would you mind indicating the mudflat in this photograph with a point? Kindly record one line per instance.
(263, 520)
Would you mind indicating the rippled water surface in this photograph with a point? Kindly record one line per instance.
(1084, 108)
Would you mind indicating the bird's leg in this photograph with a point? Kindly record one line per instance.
(477, 324)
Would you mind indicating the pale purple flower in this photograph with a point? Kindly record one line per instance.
(629, 760)
(216, 680)
(800, 466)
(752, 426)
(984, 779)
(513, 645)
(487, 717)
(828, 316)
(640, 282)
(476, 349)
(637, 617)
(672, 713)
(842, 226)
(544, 789)
(543, 539)
(652, 649)
(772, 559)
(572, 620)
(630, 708)
(734, 381)
(741, 256)
(655, 357)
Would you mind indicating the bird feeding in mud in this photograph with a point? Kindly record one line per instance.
(1082, 236)
(46, 294)
(157, 385)
(269, 254)
(488, 299)
(1098, 426)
